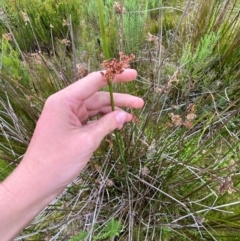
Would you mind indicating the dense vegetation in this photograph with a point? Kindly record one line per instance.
(182, 152)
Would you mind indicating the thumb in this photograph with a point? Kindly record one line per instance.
(109, 122)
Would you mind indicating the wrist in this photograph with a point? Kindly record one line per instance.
(22, 197)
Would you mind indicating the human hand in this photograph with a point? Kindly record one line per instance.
(64, 139)
(63, 142)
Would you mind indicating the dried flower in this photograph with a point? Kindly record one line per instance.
(150, 37)
(174, 77)
(65, 22)
(65, 42)
(2, 14)
(96, 167)
(232, 165)
(26, 19)
(218, 83)
(155, 39)
(191, 108)
(36, 58)
(82, 70)
(159, 90)
(188, 124)
(8, 36)
(136, 120)
(101, 56)
(169, 125)
(109, 142)
(145, 171)
(176, 119)
(118, 8)
(152, 147)
(114, 66)
(226, 184)
(176, 107)
(190, 117)
(109, 183)
(166, 88)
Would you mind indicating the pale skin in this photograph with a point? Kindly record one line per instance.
(61, 146)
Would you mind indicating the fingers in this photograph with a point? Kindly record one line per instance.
(86, 87)
(108, 123)
(102, 111)
(102, 99)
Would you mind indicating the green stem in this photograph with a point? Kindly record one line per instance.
(107, 56)
(111, 93)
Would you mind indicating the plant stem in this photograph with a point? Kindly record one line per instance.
(107, 56)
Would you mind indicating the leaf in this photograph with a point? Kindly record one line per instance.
(81, 236)
(111, 230)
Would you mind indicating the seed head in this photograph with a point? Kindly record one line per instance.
(118, 8)
(226, 185)
(66, 42)
(65, 22)
(82, 70)
(26, 18)
(8, 36)
(176, 119)
(3, 16)
(114, 66)
(191, 116)
(145, 171)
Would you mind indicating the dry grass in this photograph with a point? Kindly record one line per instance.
(182, 150)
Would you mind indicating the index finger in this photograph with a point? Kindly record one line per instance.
(86, 87)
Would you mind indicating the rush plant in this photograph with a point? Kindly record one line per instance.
(113, 67)
(179, 178)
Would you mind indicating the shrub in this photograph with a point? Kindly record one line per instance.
(181, 152)
(32, 23)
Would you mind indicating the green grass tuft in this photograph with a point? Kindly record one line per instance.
(182, 150)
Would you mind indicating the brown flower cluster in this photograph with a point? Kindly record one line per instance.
(118, 8)
(115, 66)
(136, 120)
(82, 70)
(66, 42)
(154, 39)
(145, 171)
(106, 183)
(226, 185)
(35, 58)
(177, 120)
(8, 37)
(165, 89)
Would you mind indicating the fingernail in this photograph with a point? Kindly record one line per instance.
(121, 117)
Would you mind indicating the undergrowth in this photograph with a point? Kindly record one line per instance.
(181, 150)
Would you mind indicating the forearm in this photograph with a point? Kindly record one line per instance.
(22, 197)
